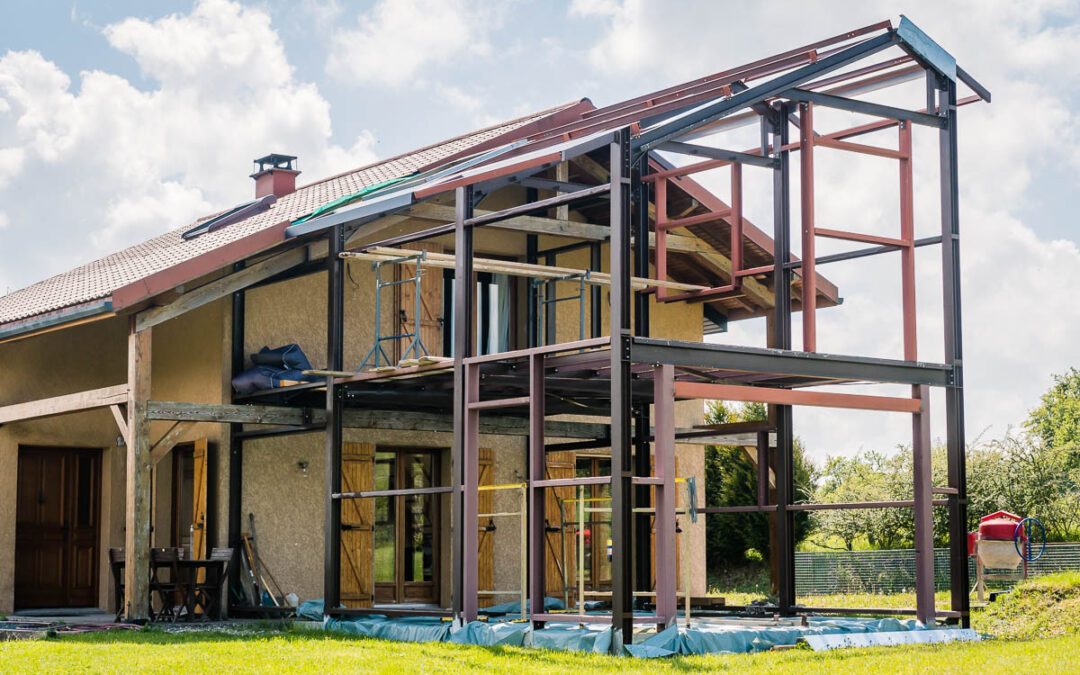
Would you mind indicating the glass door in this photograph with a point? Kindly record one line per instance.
(406, 528)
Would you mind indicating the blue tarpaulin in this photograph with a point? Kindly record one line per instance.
(704, 637)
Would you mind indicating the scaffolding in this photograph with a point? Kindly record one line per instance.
(631, 198)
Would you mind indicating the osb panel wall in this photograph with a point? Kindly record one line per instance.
(186, 366)
(288, 502)
(295, 311)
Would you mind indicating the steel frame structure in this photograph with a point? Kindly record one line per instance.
(622, 374)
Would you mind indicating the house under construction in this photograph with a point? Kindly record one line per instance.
(536, 432)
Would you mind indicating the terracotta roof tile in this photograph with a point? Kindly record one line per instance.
(98, 279)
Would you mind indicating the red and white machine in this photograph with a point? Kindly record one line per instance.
(999, 544)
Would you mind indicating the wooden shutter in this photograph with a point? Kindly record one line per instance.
(558, 562)
(431, 299)
(357, 532)
(198, 517)
(486, 500)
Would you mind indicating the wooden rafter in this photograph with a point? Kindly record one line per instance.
(68, 403)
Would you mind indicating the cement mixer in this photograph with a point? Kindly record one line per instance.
(1005, 542)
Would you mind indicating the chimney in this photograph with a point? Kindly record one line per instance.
(275, 175)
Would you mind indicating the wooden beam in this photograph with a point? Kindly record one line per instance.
(529, 224)
(224, 286)
(168, 441)
(121, 423)
(400, 420)
(137, 493)
(68, 403)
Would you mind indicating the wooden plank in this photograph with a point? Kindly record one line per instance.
(137, 492)
(67, 403)
(121, 422)
(200, 458)
(400, 420)
(168, 441)
(357, 526)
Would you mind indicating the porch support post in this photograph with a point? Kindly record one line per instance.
(666, 567)
(924, 509)
(464, 340)
(954, 395)
(137, 512)
(335, 338)
(537, 495)
(622, 514)
(780, 338)
(236, 443)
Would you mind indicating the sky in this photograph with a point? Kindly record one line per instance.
(120, 120)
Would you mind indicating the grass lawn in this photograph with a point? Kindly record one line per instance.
(303, 652)
(1047, 608)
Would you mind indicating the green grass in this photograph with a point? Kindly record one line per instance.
(1047, 607)
(1042, 607)
(302, 652)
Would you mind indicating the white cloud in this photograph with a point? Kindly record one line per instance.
(1019, 286)
(393, 43)
(112, 163)
(473, 105)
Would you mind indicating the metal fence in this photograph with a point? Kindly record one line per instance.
(893, 571)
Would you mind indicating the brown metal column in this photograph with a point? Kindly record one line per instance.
(924, 509)
(780, 338)
(470, 496)
(622, 581)
(463, 347)
(664, 457)
(806, 187)
(335, 338)
(537, 495)
(954, 395)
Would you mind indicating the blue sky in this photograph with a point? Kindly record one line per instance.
(119, 120)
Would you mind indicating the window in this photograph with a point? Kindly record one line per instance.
(406, 528)
(494, 312)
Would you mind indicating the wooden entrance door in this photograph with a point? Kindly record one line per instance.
(56, 527)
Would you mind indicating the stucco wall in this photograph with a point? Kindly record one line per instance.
(186, 366)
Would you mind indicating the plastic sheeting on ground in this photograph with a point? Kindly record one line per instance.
(402, 629)
(703, 637)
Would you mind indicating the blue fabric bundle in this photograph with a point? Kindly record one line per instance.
(272, 368)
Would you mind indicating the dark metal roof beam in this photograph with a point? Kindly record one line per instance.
(761, 92)
(864, 107)
(716, 153)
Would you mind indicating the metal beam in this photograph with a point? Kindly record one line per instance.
(821, 399)
(864, 107)
(789, 363)
(464, 296)
(761, 92)
(716, 153)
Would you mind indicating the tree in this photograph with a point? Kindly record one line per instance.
(731, 480)
(1057, 421)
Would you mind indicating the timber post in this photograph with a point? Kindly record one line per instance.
(137, 494)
